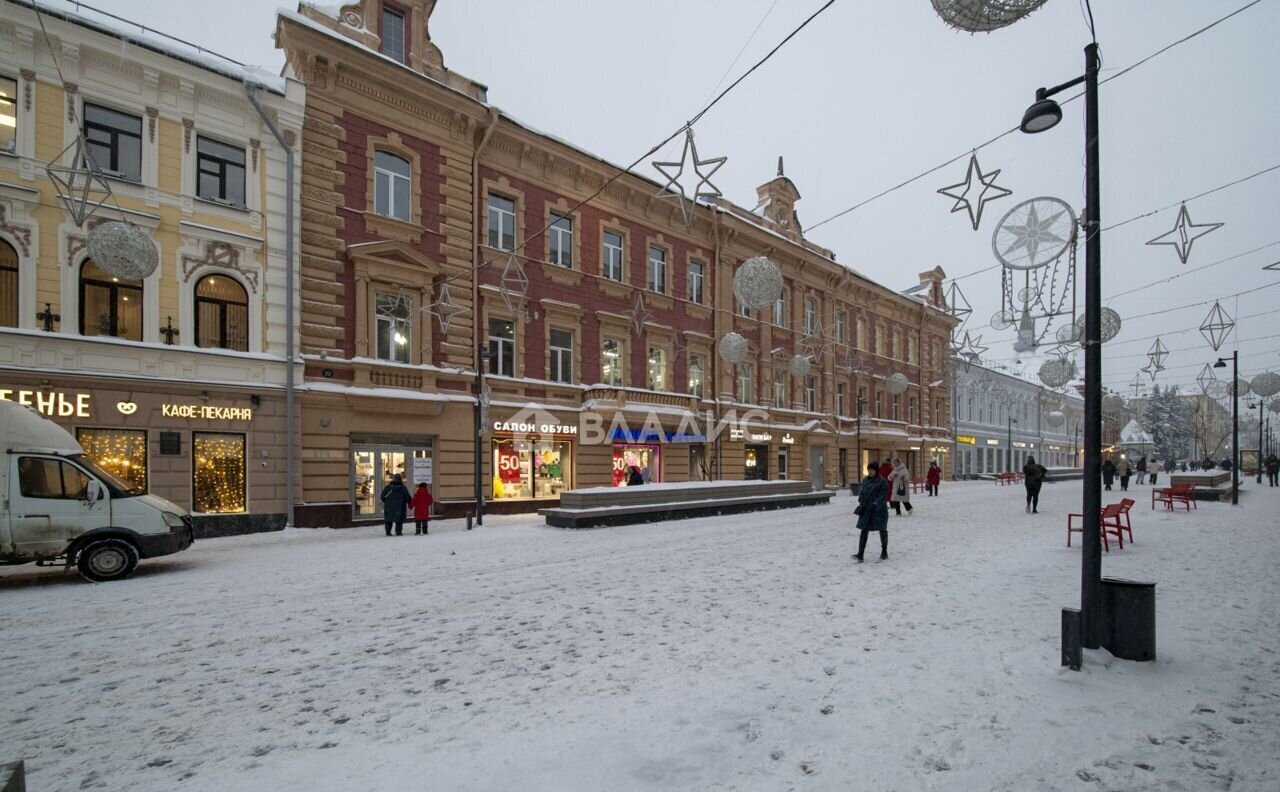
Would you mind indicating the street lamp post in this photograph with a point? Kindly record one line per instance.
(1043, 115)
(1008, 459)
(482, 362)
(857, 484)
(1235, 423)
(1260, 411)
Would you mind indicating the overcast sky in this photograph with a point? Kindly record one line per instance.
(874, 93)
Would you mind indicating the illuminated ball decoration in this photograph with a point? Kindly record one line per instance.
(1110, 325)
(758, 283)
(1055, 419)
(1057, 372)
(983, 16)
(896, 383)
(733, 348)
(122, 250)
(1265, 385)
(800, 366)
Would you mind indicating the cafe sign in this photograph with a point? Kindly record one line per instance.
(967, 439)
(53, 403)
(206, 412)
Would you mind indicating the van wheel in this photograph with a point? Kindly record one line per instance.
(107, 559)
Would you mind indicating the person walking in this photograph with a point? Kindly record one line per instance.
(872, 511)
(1108, 473)
(636, 478)
(422, 501)
(1153, 471)
(886, 470)
(1125, 472)
(1273, 469)
(932, 478)
(900, 487)
(1033, 474)
(395, 501)
(1142, 470)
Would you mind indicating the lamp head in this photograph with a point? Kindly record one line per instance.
(1222, 363)
(1044, 114)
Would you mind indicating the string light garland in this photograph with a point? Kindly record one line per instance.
(218, 473)
(123, 452)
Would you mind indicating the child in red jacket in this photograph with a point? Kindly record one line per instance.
(421, 503)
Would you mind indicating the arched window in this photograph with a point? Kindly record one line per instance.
(391, 185)
(222, 313)
(109, 306)
(8, 285)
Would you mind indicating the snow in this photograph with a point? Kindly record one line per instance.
(733, 653)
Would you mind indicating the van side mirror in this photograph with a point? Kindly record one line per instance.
(93, 491)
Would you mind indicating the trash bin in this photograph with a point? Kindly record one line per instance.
(1129, 614)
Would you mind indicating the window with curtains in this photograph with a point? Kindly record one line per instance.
(109, 306)
(222, 314)
(8, 285)
(8, 113)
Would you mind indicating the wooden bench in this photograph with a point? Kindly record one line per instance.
(599, 506)
(1110, 525)
(1178, 493)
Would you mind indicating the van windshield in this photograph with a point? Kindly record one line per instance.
(118, 488)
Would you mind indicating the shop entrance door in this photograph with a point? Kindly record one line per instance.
(817, 463)
(782, 464)
(372, 470)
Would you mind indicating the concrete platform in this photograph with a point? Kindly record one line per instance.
(601, 506)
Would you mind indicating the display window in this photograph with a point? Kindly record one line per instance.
(756, 462)
(372, 468)
(531, 469)
(645, 457)
(122, 452)
(218, 475)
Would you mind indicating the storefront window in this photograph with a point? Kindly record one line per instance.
(531, 469)
(644, 457)
(756, 462)
(372, 468)
(122, 452)
(218, 475)
(611, 362)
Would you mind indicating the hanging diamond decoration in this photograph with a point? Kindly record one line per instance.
(897, 383)
(80, 186)
(1157, 354)
(1265, 385)
(122, 250)
(957, 306)
(673, 171)
(983, 16)
(1205, 377)
(985, 184)
(445, 310)
(1217, 326)
(639, 314)
(800, 366)
(758, 283)
(1184, 233)
(1136, 383)
(847, 360)
(514, 285)
(733, 348)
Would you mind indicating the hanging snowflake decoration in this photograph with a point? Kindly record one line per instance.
(673, 171)
(758, 283)
(1217, 326)
(445, 310)
(733, 348)
(122, 250)
(1055, 418)
(80, 186)
(639, 314)
(1265, 385)
(1151, 370)
(1205, 378)
(983, 16)
(513, 285)
(897, 383)
(1184, 233)
(799, 366)
(985, 187)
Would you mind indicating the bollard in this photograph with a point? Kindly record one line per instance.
(13, 777)
(1071, 648)
(469, 515)
(1129, 613)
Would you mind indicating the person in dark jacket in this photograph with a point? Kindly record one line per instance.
(636, 478)
(886, 470)
(395, 503)
(1141, 469)
(1108, 473)
(873, 511)
(932, 478)
(422, 501)
(1033, 474)
(1273, 469)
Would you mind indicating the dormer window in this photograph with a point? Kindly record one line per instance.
(393, 33)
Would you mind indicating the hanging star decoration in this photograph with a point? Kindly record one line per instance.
(1184, 233)
(80, 186)
(847, 360)
(704, 169)
(1275, 265)
(1217, 326)
(988, 192)
(445, 310)
(1205, 378)
(394, 306)
(970, 350)
(514, 285)
(678, 347)
(816, 342)
(639, 314)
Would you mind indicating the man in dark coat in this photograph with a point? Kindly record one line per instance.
(1108, 473)
(395, 503)
(873, 511)
(1033, 474)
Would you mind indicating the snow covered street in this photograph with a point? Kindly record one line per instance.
(746, 653)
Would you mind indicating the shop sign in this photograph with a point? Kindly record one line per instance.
(421, 471)
(993, 442)
(736, 434)
(55, 404)
(761, 437)
(516, 427)
(967, 439)
(620, 435)
(1019, 444)
(207, 412)
(787, 439)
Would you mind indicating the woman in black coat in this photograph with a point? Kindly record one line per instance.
(873, 511)
(395, 503)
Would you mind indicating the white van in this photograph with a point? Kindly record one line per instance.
(60, 504)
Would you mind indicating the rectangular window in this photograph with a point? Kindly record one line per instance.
(525, 469)
(611, 362)
(502, 347)
(8, 284)
(780, 388)
(502, 222)
(862, 334)
(811, 393)
(745, 376)
(780, 311)
(897, 408)
(218, 473)
(879, 404)
(561, 355)
(8, 114)
(695, 376)
(121, 452)
(657, 368)
(810, 316)
(911, 410)
(744, 311)
(393, 327)
(912, 340)
(39, 477)
(393, 34)
(695, 282)
(842, 331)
(862, 401)
(219, 172)
(114, 141)
(611, 258)
(657, 270)
(391, 185)
(840, 398)
(879, 341)
(897, 345)
(560, 241)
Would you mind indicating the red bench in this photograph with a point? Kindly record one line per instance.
(1125, 505)
(917, 486)
(1005, 479)
(1110, 525)
(1178, 493)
